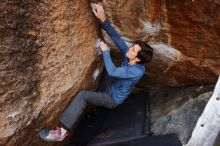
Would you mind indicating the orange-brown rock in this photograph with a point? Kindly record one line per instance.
(47, 56)
(47, 53)
(184, 35)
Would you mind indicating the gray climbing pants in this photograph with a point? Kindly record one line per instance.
(79, 103)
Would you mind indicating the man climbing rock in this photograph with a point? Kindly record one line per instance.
(127, 76)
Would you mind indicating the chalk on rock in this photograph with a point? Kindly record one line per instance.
(98, 49)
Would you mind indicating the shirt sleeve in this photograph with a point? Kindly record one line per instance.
(119, 72)
(115, 36)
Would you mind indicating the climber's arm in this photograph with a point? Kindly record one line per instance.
(100, 14)
(112, 70)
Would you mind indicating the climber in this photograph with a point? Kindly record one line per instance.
(127, 76)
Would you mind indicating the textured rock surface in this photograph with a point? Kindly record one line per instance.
(184, 35)
(47, 53)
(176, 110)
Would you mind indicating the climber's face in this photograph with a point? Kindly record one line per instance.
(133, 51)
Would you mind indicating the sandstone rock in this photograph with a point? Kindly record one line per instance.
(47, 56)
(184, 34)
(176, 110)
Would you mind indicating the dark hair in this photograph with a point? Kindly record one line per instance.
(146, 53)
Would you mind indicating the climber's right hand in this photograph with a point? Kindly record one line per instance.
(103, 46)
(99, 12)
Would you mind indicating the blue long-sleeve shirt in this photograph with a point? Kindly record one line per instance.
(127, 75)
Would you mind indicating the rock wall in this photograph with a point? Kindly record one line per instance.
(176, 110)
(47, 53)
(184, 35)
(47, 56)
